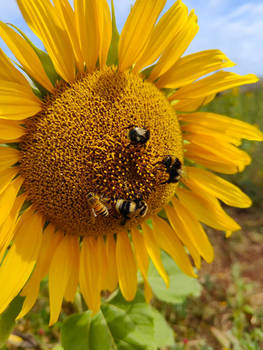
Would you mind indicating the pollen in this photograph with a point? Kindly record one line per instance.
(79, 144)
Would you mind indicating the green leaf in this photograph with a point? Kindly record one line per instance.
(163, 333)
(113, 51)
(84, 332)
(130, 329)
(136, 325)
(119, 326)
(181, 285)
(44, 58)
(7, 319)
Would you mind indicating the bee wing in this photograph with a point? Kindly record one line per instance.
(107, 202)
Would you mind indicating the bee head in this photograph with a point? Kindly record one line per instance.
(167, 161)
(90, 195)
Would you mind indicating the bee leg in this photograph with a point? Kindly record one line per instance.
(124, 220)
(163, 183)
(160, 162)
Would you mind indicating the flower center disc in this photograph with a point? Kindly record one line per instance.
(79, 144)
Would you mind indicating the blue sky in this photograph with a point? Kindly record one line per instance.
(233, 26)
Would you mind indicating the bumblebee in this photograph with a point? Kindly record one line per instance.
(173, 168)
(96, 205)
(129, 209)
(137, 135)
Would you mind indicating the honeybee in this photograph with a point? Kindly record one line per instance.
(96, 205)
(173, 168)
(137, 135)
(129, 209)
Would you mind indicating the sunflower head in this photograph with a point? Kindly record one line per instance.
(84, 140)
(104, 159)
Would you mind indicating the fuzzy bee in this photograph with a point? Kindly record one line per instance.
(96, 205)
(129, 209)
(137, 135)
(173, 168)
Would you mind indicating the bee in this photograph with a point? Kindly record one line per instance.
(96, 205)
(137, 135)
(173, 168)
(129, 209)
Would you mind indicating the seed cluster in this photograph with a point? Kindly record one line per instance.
(79, 144)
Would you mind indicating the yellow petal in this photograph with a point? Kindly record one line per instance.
(105, 33)
(48, 247)
(202, 181)
(168, 241)
(183, 233)
(8, 157)
(154, 252)
(42, 19)
(140, 250)
(112, 274)
(163, 34)
(214, 152)
(26, 55)
(103, 261)
(137, 30)
(142, 259)
(20, 259)
(89, 273)
(8, 197)
(67, 17)
(90, 21)
(229, 126)
(10, 130)
(177, 47)
(126, 265)
(189, 68)
(195, 230)
(9, 73)
(61, 270)
(200, 132)
(16, 102)
(207, 209)
(6, 176)
(190, 105)
(73, 282)
(7, 228)
(213, 84)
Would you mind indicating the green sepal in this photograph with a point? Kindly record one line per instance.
(44, 58)
(7, 319)
(147, 71)
(113, 51)
(37, 88)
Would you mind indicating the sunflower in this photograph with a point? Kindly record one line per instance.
(103, 157)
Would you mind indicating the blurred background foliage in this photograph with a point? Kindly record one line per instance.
(223, 310)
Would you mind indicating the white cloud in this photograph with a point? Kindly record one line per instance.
(237, 30)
